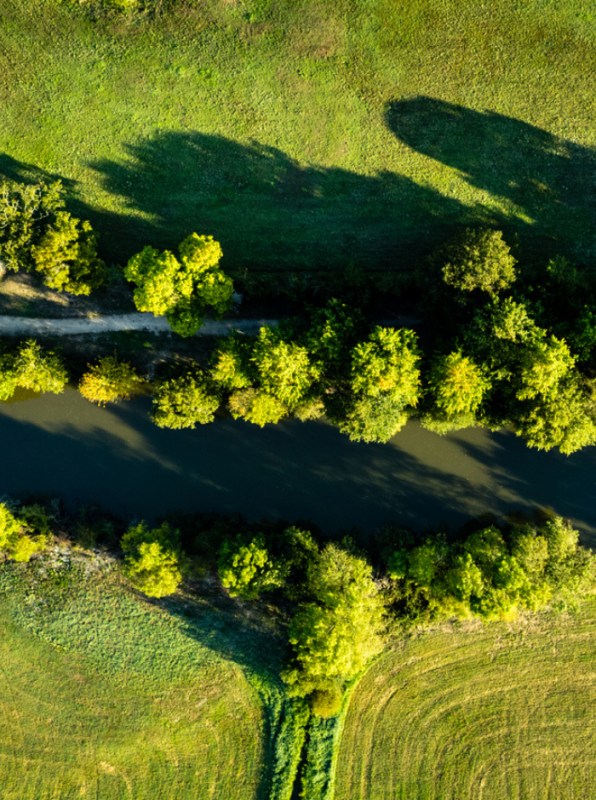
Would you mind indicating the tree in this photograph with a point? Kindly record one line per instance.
(24, 210)
(66, 256)
(184, 401)
(333, 331)
(182, 289)
(37, 235)
(387, 364)
(457, 387)
(247, 569)
(256, 406)
(109, 380)
(477, 259)
(37, 369)
(152, 559)
(231, 365)
(283, 367)
(464, 578)
(15, 540)
(335, 634)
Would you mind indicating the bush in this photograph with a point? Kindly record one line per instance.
(247, 569)
(326, 702)
(477, 259)
(109, 380)
(15, 541)
(152, 559)
(185, 401)
(256, 406)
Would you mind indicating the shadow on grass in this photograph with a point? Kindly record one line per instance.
(547, 184)
(271, 212)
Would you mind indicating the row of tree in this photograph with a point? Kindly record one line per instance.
(339, 599)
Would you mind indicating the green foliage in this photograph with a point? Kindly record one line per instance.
(283, 367)
(182, 290)
(15, 541)
(35, 234)
(24, 211)
(109, 380)
(335, 634)
(373, 419)
(231, 366)
(477, 259)
(152, 559)
(247, 569)
(457, 385)
(326, 702)
(184, 401)
(333, 331)
(386, 364)
(31, 367)
(256, 406)
(317, 778)
(66, 256)
(490, 575)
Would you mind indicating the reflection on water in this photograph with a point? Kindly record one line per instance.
(62, 444)
(20, 395)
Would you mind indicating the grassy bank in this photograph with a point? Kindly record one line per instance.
(504, 711)
(106, 695)
(307, 134)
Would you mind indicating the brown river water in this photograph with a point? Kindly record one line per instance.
(64, 445)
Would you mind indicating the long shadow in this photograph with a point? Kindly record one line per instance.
(271, 212)
(546, 184)
(268, 210)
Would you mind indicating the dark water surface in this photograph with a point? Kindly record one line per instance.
(64, 445)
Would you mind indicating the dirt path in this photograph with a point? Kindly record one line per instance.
(24, 326)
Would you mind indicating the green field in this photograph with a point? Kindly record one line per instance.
(308, 134)
(503, 712)
(103, 695)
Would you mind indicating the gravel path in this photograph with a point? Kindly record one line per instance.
(23, 326)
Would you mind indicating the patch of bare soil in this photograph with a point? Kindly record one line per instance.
(22, 295)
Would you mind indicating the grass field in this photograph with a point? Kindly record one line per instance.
(503, 712)
(307, 134)
(103, 695)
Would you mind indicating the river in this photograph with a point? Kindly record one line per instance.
(64, 445)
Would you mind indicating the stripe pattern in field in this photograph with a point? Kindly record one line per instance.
(504, 713)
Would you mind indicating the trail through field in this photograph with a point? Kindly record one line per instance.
(22, 326)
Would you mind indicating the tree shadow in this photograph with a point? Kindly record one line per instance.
(545, 186)
(268, 210)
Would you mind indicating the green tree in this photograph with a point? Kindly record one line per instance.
(231, 365)
(283, 367)
(372, 419)
(15, 541)
(246, 568)
(333, 332)
(457, 387)
(387, 363)
(184, 401)
(477, 259)
(24, 212)
(32, 367)
(257, 407)
(464, 578)
(182, 289)
(152, 559)
(66, 256)
(341, 629)
(109, 380)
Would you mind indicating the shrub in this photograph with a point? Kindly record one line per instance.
(326, 702)
(477, 259)
(109, 380)
(185, 401)
(246, 568)
(256, 406)
(152, 559)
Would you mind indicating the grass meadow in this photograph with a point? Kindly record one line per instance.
(505, 711)
(309, 134)
(104, 695)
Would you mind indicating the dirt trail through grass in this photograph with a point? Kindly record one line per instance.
(22, 326)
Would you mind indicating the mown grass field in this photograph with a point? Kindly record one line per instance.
(103, 695)
(309, 134)
(504, 712)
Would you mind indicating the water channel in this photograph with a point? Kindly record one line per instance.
(64, 445)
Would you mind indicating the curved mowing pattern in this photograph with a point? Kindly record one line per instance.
(504, 714)
(87, 724)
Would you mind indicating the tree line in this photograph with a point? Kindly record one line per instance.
(342, 600)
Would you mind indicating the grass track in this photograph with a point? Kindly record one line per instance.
(123, 704)
(305, 134)
(501, 713)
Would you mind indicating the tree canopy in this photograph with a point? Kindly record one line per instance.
(185, 288)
